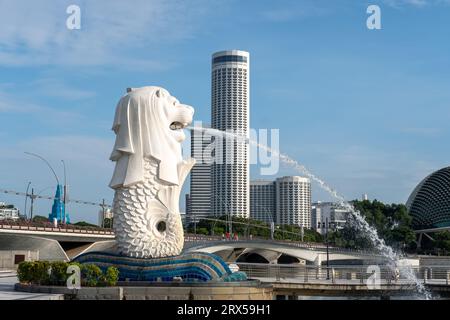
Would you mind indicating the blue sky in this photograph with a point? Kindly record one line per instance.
(367, 111)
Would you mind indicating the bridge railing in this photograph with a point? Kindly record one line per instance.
(65, 229)
(202, 240)
(296, 273)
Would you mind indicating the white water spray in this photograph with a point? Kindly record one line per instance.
(360, 221)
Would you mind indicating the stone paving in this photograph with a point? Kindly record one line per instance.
(7, 281)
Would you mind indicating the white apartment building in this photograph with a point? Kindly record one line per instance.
(293, 201)
(8, 211)
(262, 201)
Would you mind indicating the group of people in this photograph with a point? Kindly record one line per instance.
(227, 236)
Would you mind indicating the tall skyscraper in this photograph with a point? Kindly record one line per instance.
(200, 194)
(262, 200)
(230, 101)
(293, 197)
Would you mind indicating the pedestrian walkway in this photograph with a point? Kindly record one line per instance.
(7, 292)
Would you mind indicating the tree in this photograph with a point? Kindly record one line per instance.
(85, 224)
(40, 219)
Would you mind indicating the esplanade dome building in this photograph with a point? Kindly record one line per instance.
(429, 203)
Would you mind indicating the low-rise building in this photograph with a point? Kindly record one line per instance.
(104, 214)
(8, 211)
(334, 213)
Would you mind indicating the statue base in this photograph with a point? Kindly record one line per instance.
(189, 267)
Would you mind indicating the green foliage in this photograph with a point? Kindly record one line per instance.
(392, 222)
(246, 227)
(24, 272)
(55, 273)
(202, 230)
(111, 276)
(85, 224)
(58, 275)
(440, 244)
(36, 272)
(40, 219)
(91, 275)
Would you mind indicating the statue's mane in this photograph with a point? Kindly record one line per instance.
(141, 129)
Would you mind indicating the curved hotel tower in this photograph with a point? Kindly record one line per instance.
(230, 111)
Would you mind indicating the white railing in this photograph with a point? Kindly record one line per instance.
(296, 273)
(53, 229)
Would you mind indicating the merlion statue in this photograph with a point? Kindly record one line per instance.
(149, 172)
(148, 176)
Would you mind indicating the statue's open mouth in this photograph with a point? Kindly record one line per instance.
(178, 125)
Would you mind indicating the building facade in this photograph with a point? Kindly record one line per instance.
(230, 103)
(104, 214)
(262, 201)
(293, 201)
(198, 204)
(429, 203)
(8, 212)
(335, 214)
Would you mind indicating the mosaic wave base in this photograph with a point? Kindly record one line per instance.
(191, 267)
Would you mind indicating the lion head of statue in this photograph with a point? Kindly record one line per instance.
(148, 122)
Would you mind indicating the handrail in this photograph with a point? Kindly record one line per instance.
(53, 229)
(298, 273)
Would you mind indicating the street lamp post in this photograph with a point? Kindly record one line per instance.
(228, 215)
(328, 254)
(26, 199)
(103, 214)
(53, 171)
(47, 163)
(272, 223)
(32, 204)
(65, 191)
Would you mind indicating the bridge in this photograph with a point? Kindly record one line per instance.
(293, 269)
(284, 252)
(61, 234)
(65, 242)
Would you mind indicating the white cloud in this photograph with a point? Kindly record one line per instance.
(291, 10)
(397, 3)
(56, 88)
(35, 32)
(415, 3)
(44, 114)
